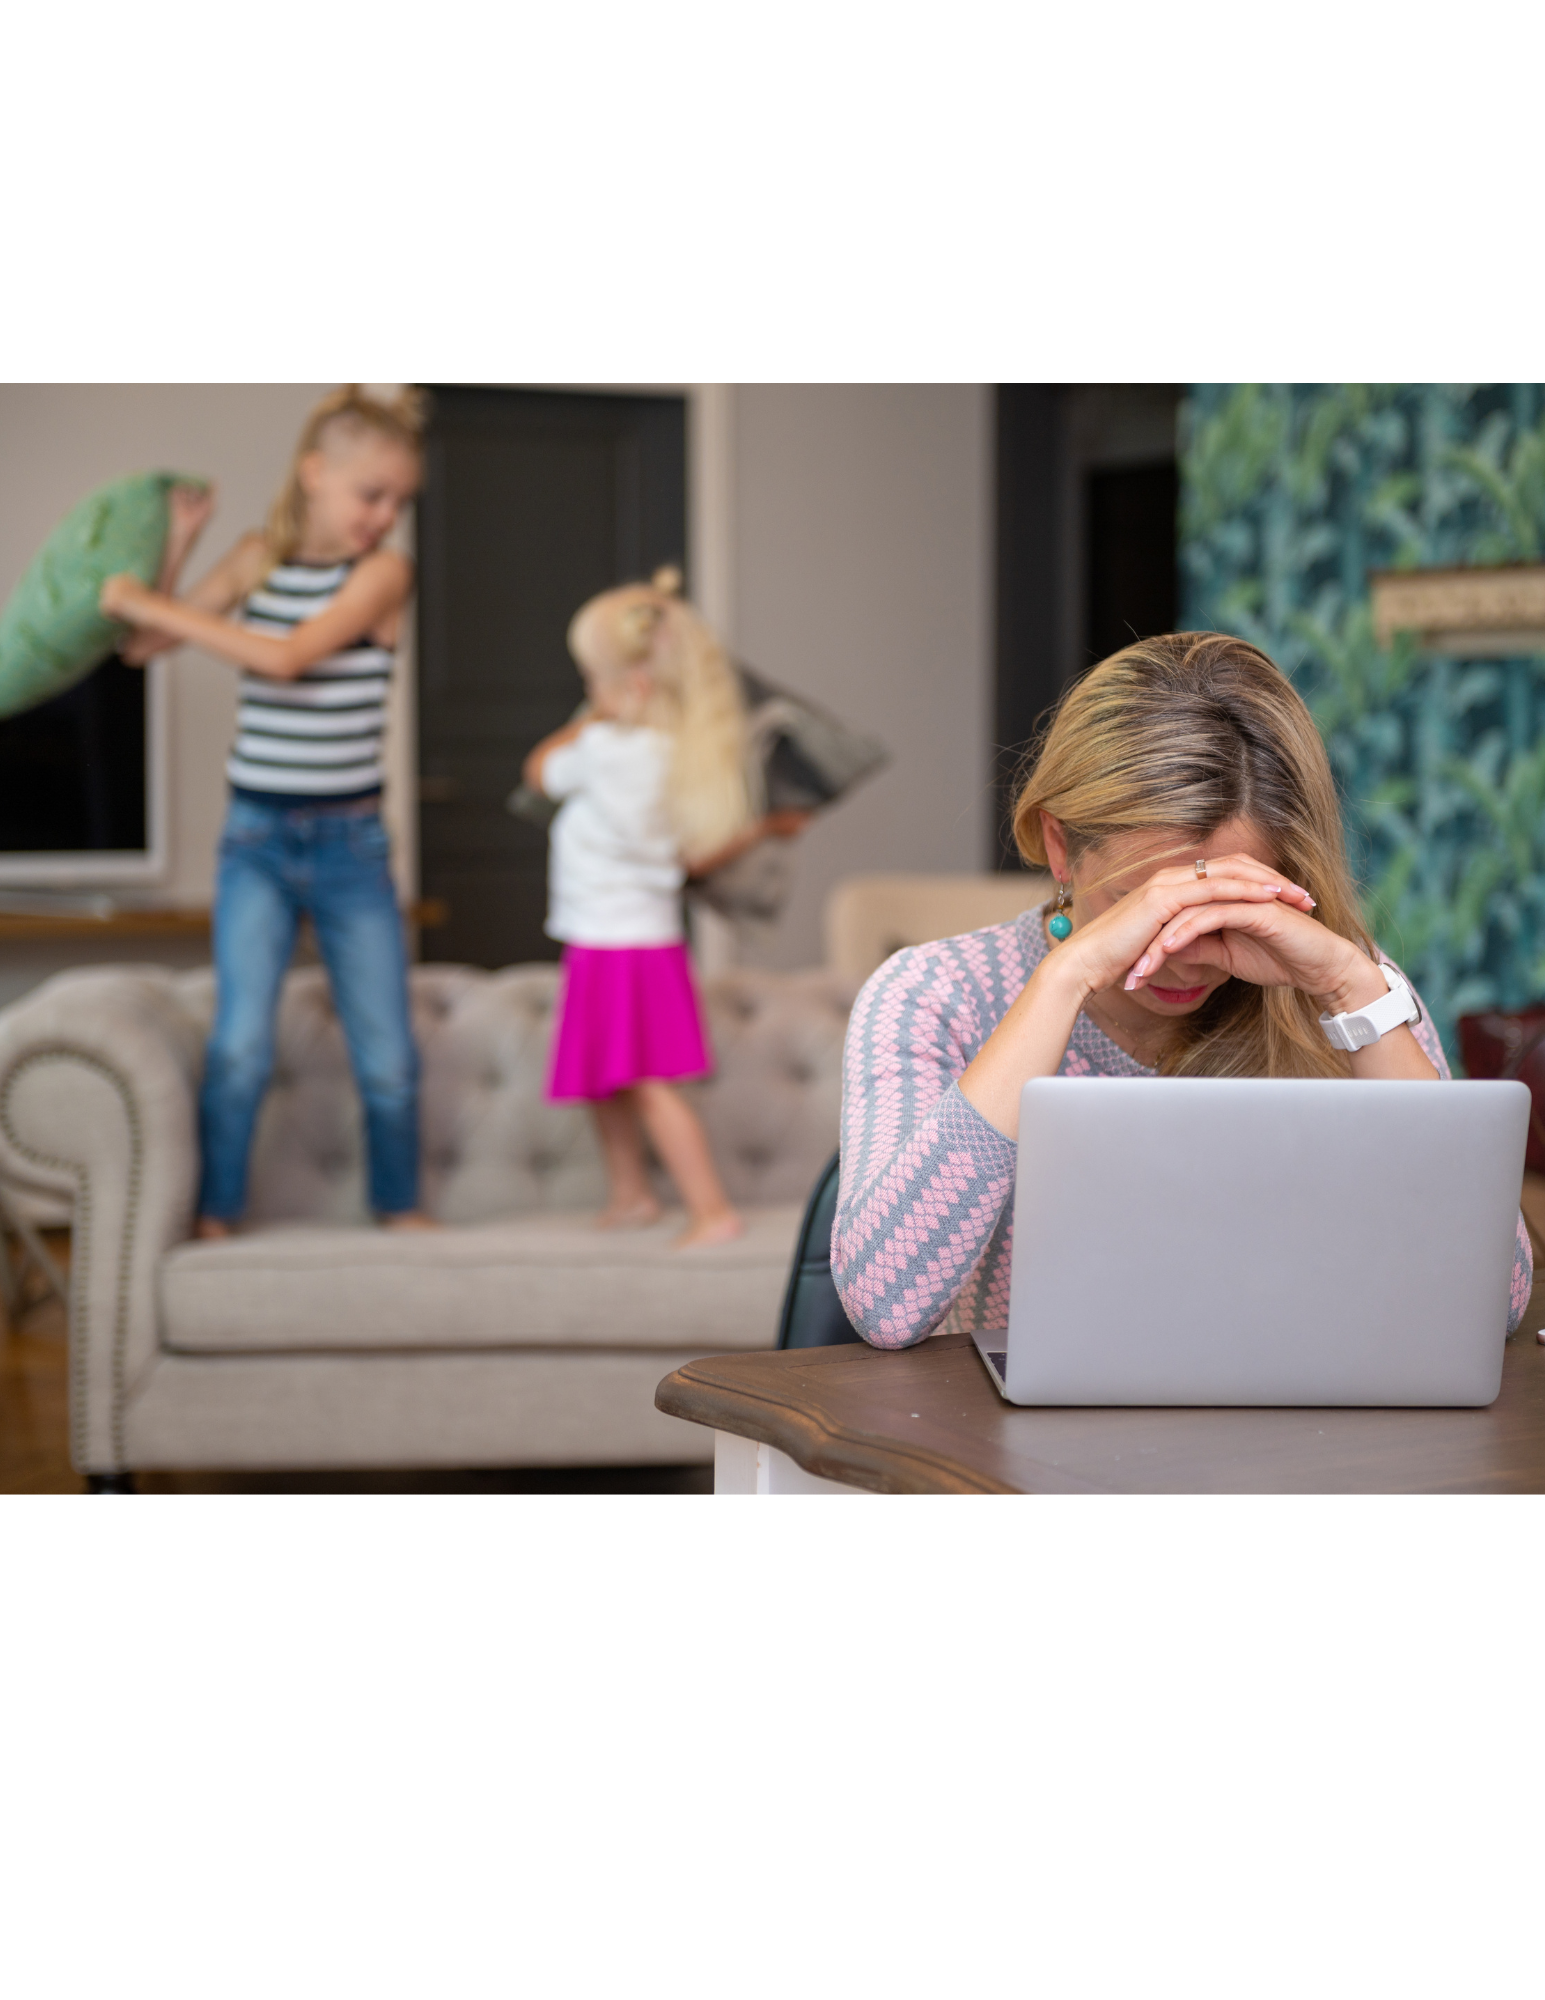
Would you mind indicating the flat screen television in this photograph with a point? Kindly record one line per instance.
(81, 784)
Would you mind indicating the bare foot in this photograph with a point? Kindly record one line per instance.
(409, 1218)
(210, 1229)
(630, 1214)
(721, 1228)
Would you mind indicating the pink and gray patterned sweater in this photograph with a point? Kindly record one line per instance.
(925, 1220)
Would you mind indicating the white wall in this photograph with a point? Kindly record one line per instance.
(863, 523)
(59, 441)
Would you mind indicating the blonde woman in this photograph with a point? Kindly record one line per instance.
(1205, 921)
(309, 609)
(656, 782)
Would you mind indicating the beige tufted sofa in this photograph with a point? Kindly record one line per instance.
(515, 1335)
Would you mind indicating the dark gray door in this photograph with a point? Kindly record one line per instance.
(533, 501)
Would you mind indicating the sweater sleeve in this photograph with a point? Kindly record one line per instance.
(924, 1176)
(1523, 1252)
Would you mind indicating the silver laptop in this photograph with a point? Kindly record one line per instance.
(1202, 1240)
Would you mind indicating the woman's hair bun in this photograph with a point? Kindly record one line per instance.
(667, 580)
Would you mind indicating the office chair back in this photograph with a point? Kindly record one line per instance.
(812, 1311)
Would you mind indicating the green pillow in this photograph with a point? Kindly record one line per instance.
(51, 632)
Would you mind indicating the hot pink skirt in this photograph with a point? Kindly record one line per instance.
(625, 1015)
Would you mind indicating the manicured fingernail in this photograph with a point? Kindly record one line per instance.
(1131, 983)
(1141, 966)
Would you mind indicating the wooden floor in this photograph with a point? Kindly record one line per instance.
(35, 1449)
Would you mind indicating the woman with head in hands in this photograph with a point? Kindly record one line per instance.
(1205, 924)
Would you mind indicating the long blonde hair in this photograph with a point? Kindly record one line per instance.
(712, 792)
(1180, 734)
(348, 412)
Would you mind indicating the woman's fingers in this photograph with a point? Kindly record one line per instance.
(1172, 903)
(1231, 897)
(1117, 942)
(1236, 866)
(1198, 929)
(1223, 888)
(1226, 872)
(1195, 924)
(1131, 930)
(1208, 949)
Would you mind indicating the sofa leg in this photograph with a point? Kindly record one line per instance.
(110, 1482)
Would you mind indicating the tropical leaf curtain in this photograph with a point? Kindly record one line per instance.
(1290, 494)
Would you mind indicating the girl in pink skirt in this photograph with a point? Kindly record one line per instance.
(655, 782)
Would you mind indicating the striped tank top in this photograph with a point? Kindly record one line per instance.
(318, 736)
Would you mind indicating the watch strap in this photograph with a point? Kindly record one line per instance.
(1370, 1024)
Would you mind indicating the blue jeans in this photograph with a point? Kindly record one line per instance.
(276, 863)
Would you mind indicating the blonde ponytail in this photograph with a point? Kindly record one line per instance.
(712, 793)
(348, 412)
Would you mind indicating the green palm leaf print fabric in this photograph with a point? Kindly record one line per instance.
(1290, 495)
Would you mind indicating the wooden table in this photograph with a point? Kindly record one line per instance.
(928, 1420)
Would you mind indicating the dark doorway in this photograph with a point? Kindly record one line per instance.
(72, 770)
(1087, 490)
(533, 501)
(1032, 643)
(1129, 567)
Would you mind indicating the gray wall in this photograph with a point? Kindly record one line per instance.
(859, 536)
(863, 576)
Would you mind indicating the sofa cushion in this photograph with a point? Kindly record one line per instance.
(552, 1281)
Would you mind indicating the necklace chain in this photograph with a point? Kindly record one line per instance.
(1125, 1041)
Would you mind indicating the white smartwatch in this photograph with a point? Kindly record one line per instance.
(1372, 1023)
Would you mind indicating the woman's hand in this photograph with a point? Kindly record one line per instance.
(1121, 946)
(1267, 944)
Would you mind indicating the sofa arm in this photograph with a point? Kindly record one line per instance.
(98, 1103)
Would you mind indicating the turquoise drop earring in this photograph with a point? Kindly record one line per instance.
(1059, 923)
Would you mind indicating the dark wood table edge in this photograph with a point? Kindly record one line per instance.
(714, 1391)
(851, 1457)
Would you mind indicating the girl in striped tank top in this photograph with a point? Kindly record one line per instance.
(310, 611)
